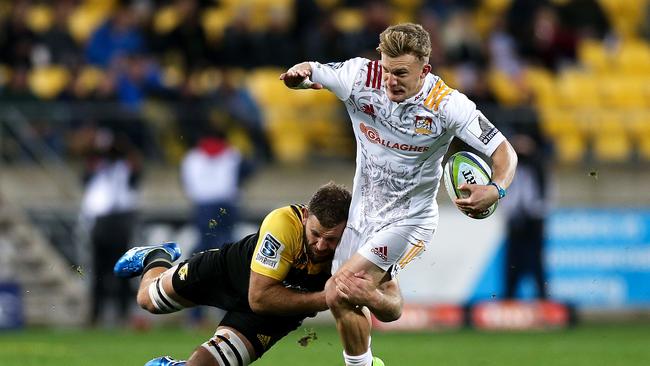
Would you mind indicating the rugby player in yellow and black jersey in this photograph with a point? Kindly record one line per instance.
(268, 282)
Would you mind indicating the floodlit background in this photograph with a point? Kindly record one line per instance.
(147, 79)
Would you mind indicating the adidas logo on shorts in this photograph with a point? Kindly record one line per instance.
(381, 252)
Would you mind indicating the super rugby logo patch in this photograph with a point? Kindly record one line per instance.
(483, 129)
(269, 253)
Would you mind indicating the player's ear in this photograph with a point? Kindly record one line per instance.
(426, 69)
(305, 215)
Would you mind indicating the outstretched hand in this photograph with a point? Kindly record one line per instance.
(357, 288)
(296, 75)
(477, 198)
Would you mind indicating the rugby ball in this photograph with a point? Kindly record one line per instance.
(465, 167)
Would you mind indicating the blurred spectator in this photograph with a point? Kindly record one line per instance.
(211, 175)
(137, 77)
(431, 22)
(18, 88)
(444, 9)
(118, 36)
(108, 208)
(240, 43)
(276, 46)
(187, 43)
(239, 109)
(585, 17)
(502, 50)
(16, 39)
(553, 43)
(540, 36)
(645, 26)
(324, 43)
(526, 208)
(61, 47)
(376, 17)
(462, 40)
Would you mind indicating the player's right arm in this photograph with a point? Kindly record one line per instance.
(337, 77)
(299, 77)
(279, 239)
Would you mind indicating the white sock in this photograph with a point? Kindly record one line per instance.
(361, 360)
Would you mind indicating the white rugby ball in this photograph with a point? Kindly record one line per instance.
(465, 167)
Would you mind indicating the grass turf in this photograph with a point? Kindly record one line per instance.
(608, 345)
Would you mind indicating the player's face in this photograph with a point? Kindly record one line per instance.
(321, 241)
(403, 76)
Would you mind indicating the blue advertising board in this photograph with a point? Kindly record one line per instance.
(11, 309)
(595, 259)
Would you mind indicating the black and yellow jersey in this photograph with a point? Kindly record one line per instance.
(280, 252)
(220, 277)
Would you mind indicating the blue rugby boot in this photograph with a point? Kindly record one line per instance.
(132, 263)
(376, 361)
(165, 361)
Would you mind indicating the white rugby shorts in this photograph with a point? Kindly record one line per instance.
(394, 246)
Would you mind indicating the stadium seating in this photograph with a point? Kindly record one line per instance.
(610, 75)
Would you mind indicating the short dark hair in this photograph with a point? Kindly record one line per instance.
(330, 204)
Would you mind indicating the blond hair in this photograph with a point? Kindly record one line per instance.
(403, 39)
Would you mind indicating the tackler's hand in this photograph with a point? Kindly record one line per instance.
(357, 288)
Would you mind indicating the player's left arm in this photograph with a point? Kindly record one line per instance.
(471, 126)
(384, 301)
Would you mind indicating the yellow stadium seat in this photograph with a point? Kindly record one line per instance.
(570, 147)
(506, 91)
(104, 6)
(5, 75)
(643, 147)
(40, 18)
(214, 20)
(637, 122)
(496, 6)
(165, 20)
(88, 80)
(608, 122)
(267, 88)
(637, 125)
(612, 147)
(555, 122)
(328, 4)
(406, 5)
(542, 84)
(48, 82)
(577, 89)
(288, 140)
(633, 57)
(83, 21)
(593, 55)
(623, 91)
(348, 20)
(402, 16)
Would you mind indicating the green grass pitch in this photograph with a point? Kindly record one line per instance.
(607, 345)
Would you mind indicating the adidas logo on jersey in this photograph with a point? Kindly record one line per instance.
(381, 252)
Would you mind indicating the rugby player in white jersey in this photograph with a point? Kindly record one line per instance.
(404, 118)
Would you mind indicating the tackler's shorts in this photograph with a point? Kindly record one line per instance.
(204, 279)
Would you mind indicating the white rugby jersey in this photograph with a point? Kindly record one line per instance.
(400, 146)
